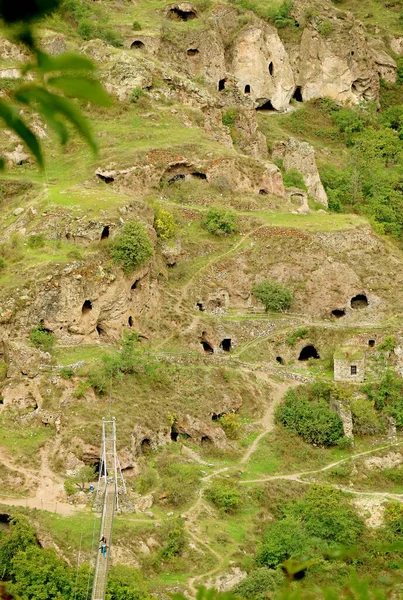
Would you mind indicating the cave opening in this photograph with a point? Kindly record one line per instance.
(106, 178)
(146, 446)
(271, 69)
(266, 106)
(87, 307)
(137, 45)
(338, 313)
(176, 178)
(96, 465)
(247, 89)
(226, 345)
(130, 321)
(279, 360)
(105, 233)
(308, 352)
(199, 175)
(135, 284)
(371, 343)
(298, 94)
(359, 301)
(99, 329)
(4, 521)
(193, 52)
(217, 416)
(200, 306)
(208, 349)
(221, 85)
(181, 15)
(206, 441)
(263, 192)
(174, 434)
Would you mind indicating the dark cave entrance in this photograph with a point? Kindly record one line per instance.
(106, 178)
(176, 178)
(208, 349)
(271, 69)
(247, 89)
(206, 441)
(135, 284)
(87, 307)
(174, 434)
(338, 313)
(226, 345)
(266, 106)
(371, 343)
(105, 233)
(200, 306)
(130, 321)
(199, 175)
(146, 446)
(279, 360)
(359, 301)
(221, 85)
(96, 465)
(137, 45)
(193, 52)
(298, 94)
(181, 15)
(100, 330)
(308, 352)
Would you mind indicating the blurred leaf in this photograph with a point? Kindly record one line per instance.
(12, 119)
(63, 62)
(29, 10)
(82, 87)
(2, 163)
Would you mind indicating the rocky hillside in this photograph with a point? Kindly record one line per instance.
(248, 141)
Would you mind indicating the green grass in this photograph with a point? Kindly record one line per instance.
(313, 222)
(68, 355)
(21, 442)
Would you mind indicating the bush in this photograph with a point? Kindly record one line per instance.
(225, 495)
(326, 28)
(36, 241)
(174, 539)
(282, 16)
(388, 343)
(231, 425)
(291, 340)
(365, 417)
(67, 373)
(3, 370)
(179, 482)
(75, 254)
(136, 26)
(229, 117)
(164, 224)
(41, 338)
(132, 247)
(294, 178)
(3, 264)
(282, 540)
(394, 517)
(256, 585)
(220, 221)
(136, 94)
(312, 420)
(273, 295)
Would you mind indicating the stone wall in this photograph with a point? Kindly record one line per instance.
(342, 369)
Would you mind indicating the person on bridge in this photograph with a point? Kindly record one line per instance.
(104, 549)
(104, 539)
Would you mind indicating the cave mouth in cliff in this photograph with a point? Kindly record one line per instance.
(371, 343)
(221, 84)
(135, 284)
(87, 307)
(105, 233)
(99, 329)
(217, 416)
(199, 175)
(106, 178)
(193, 52)
(226, 345)
(206, 441)
(298, 94)
(130, 321)
(208, 348)
(4, 520)
(96, 465)
(174, 434)
(138, 45)
(308, 352)
(200, 306)
(359, 301)
(247, 89)
(338, 313)
(176, 178)
(146, 446)
(44, 328)
(265, 105)
(181, 15)
(279, 360)
(263, 192)
(271, 69)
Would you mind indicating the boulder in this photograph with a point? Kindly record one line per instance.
(201, 432)
(387, 67)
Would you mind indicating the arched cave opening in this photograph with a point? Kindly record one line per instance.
(4, 520)
(263, 192)
(146, 446)
(181, 15)
(338, 313)
(206, 441)
(279, 360)
(371, 343)
(99, 329)
(174, 434)
(199, 175)
(135, 284)
(298, 94)
(308, 352)
(193, 52)
(208, 349)
(105, 233)
(271, 69)
(176, 178)
(226, 345)
(247, 89)
(43, 326)
(200, 306)
(221, 85)
(359, 301)
(106, 178)
(266, 106)
(137, 45)
(130, 321)
(87, 307)
(217, 416)
(96, 465)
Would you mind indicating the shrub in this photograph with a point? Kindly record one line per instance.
(36, 241)
(3, 370)
(132, 247)
(388, 343)
(75, 254)
(69, 486)
(81, 389)
(282, 540)
(67, 373)
(136, 26)
(146, 481)
(174, 539)
(220, 221)
(41, 338)
(256, 585)
(231, 425)
(3, 264)
(312, 420)
(394, 517)
(291, 340)
(164, 224)
(294, 178)
(137, 92)
(282, 16)
(225, 495)
(365, 417)
(180, 481)
(326, 28)
(273, 295)
(229, 117)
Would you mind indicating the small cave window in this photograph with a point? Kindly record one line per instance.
(176, 178)
(221, 85)
(181, 15)
(137, 45)
(308, 352)
(96, 465)
(135, 284)
(146, 446)
(99, 329)
(371, 343)
(352, 53)
(199, 175)
(226, 345)
(263, 192)
(338, 313)
(359, 301)
(200, 306)
(247, 89)
(87, 307)
(298, 94)
(217, 416)
(271, 69)
(4, 520)
(105, 233)
(353, 370)
(208, 349)
(68, 235)
(279, 360)
(130, 321)
(265, 105)
(174, 434)
(193, 52)
(106, 178)
(206, 441)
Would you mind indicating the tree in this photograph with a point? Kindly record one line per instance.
(55, 80)
(132, 247)
(220, 221)
(273, 295)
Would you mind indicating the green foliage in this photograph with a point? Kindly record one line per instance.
(326, 28)
(79, 480)
(3, 370)
(179, 480)
(137, 93)
(394, 518)
(388, 343)
(174, 539)
(225, 495)
(282, 16)
(229, 117)
(258, 583)
(146, 481)
(69, 486)
(388, 396)
(21, 535)
(292, 339)
(132, 247)
(136, 26)
(3, 264)
(164, 224)
(311, 419)
(67, 372)
(365, 417)
(273, 295)
(231, 424)
(36, 241)
(41, 338)
(293, 178)
(282, 540)
(220, 221)
(90, 22)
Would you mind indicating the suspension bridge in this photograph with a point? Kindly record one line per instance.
(110, 484)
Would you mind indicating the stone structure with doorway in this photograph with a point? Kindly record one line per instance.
(349, 364)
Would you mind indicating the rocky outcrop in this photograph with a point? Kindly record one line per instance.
(245, 176)
(301, 156)
(261, 66)
(387, 67)
(201, 432)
